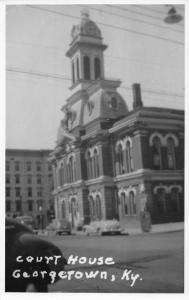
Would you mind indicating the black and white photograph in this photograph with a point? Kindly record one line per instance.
(94, 197)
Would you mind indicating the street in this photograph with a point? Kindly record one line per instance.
(146, 263)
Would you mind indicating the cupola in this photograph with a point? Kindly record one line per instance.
(86, 52)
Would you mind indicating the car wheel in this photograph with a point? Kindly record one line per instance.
(36, 288)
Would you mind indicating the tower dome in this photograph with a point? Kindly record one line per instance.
(86, 27)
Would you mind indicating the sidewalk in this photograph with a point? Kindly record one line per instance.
(158, 228)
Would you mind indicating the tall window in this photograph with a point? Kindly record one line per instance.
(28, 166)
(132, 204)
(30, 205)
(61, 174)
(156, 150)
(17, 166)
(29, 179)
(175, 201)
(129, 159)
(29, 192)
(71, 164)
(7, 179)
(86, 63)
(39, 192)
(96, 163)
(17, 189)
(97, 68)
(171, 153)
(38, 166)
(92, 207)
(8, 205)
(7, 166)
(71, 169)
(98, 208)
(38, 177)
(77, 68)
(49, 167)
(124, 204)
(161, 204)
(73, 73)
(120, 166)
(18, 205)
(63, 210)
(17, 178)
(8, 191)
(89, 165)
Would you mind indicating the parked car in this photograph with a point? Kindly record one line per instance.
(21, 242)
(60, 226)
(63, 226)
(103, 227)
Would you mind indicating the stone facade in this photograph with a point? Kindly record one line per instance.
(110, 163)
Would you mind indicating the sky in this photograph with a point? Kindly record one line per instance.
(142, 48)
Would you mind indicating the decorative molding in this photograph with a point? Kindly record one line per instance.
(163, 139)
(167, 189)
(156, 134)
(173, 136)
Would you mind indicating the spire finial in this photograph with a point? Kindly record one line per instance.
(85, 14)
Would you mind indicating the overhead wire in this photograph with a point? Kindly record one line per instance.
(132, 19)
(135, 12)
(107, 56)
(64, 77)
(146, 7)
(110, 26)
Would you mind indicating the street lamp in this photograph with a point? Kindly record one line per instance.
(173, 17)
(41, 216)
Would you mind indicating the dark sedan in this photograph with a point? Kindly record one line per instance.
(31, 263)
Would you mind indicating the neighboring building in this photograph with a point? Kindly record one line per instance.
(109, 162)
(29, 184)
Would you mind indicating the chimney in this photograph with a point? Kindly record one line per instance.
(137, 100)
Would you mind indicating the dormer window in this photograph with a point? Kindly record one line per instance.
(97, 68)
(86, 64)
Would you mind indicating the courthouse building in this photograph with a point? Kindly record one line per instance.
(29, 184)
(109, 162)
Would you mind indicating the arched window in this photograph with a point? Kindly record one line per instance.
(175, 201)
(120, 167)
(92, 208)
(156, 152)
(96, 164)
(124, 204)
(78, 68)
(129, 159)
(86, 64)
(171, 153)
(63, 209)
(54, 176)
(98, 208)
(132, 204)
(71, 169)
(73, 73)
(61, 174)
(89, 165)
(97, 68)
